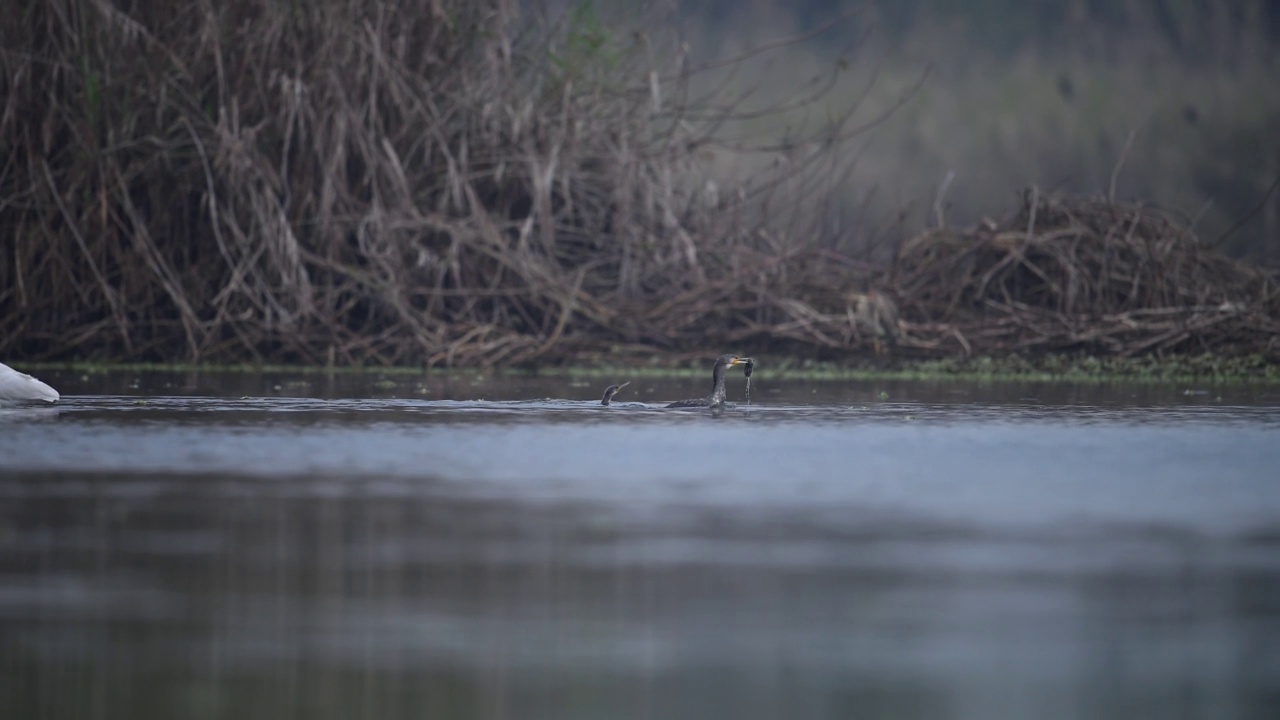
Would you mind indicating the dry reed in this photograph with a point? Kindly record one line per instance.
(449, 183)
(444, 183)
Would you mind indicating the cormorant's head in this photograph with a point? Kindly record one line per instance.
(731, 360)
(612, 390)
(727, 361)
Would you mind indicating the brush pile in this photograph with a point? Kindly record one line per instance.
(1083, 275)
(1059, 275)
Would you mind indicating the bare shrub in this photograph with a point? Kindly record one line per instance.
(444, 183)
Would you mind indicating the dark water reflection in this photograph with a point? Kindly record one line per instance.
(466, 547)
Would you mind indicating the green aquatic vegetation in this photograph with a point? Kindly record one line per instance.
(1049, 369)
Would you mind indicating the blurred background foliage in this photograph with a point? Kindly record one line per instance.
(1168, 102)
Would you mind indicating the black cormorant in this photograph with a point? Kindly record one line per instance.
(716, 398)
(612, 390)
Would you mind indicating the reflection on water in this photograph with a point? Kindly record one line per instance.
(948, 551)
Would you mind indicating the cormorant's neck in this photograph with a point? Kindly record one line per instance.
(717, 385)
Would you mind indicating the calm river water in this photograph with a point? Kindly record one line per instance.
(240, 546)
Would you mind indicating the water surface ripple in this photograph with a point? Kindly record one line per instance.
(953, 551)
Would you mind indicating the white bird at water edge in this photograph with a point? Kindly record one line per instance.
(21, 387)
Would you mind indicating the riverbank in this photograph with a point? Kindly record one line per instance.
(1058, 368)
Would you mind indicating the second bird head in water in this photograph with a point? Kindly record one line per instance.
(612, 390)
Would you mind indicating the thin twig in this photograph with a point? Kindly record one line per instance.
(1115, 170)
(938, 219)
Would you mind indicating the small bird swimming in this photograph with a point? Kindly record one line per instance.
(20, 387)
(717, 396)
(612, 390)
